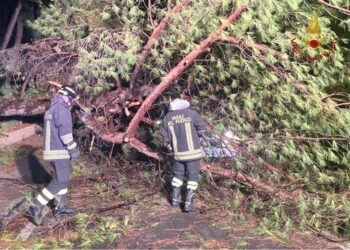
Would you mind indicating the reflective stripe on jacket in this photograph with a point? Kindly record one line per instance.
(58, 127)
(179, 129)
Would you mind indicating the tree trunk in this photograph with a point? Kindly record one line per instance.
(11, 25)
(19, 31)
(25, 107)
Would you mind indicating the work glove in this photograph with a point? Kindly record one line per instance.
(74, 153)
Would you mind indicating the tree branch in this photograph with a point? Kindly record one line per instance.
(37, 68)
(28, 78)
(143, 148)
(152, 39)
(260, 47)
(343, 94)
(343, 104)
(343, 10)
(265, 48)
(23, 107)
(149, 13)
(260, 186)
(118, 83)
(271, 168)
(175, 72)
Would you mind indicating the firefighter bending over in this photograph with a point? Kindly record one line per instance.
(180, 130)
(60, 149)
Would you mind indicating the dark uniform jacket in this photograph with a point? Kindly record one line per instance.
(179, 129)
(58, 137)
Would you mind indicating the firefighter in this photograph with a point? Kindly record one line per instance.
(60, 149)
(180, 129)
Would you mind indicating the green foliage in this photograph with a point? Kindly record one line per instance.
(82, 229)
(106, 34)
(101, 190)
(101, 66)
(6, 156)
(281, 104)
(127, 193)
(6, 90)
(106, 231)
(78, 169)
(34, 92)
(51, 244)
(57, 20)
(5, 125)
(7, 237)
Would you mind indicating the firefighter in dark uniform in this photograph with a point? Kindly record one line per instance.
(180, 129)
(60, 149)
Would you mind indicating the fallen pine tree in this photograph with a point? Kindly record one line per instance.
(234, 64)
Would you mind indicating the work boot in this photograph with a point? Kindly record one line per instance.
(175, 197)
(189, 203)
(61, 208)
(34, 212)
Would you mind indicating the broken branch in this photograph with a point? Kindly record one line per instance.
(260, 186)
(143, 148)
(175, 72)
(343, 10)
(260, 47)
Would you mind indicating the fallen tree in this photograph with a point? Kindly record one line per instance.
(231, 60)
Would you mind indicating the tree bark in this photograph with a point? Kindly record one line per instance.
(149, 13)
(11, 25)
(175, 72)
(23, 107)
(343, 10)
(19, 31)
(152, 39)
(28, 78)
(143, 148)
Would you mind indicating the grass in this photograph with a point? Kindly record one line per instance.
(7, 156)
(101, 191)
(128, 193)
(8, 124)
(78, 169)
(7, 237)
(241, 244)
(104, 230)
(21, 152)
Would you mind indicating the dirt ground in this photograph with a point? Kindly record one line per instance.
(136, 211)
